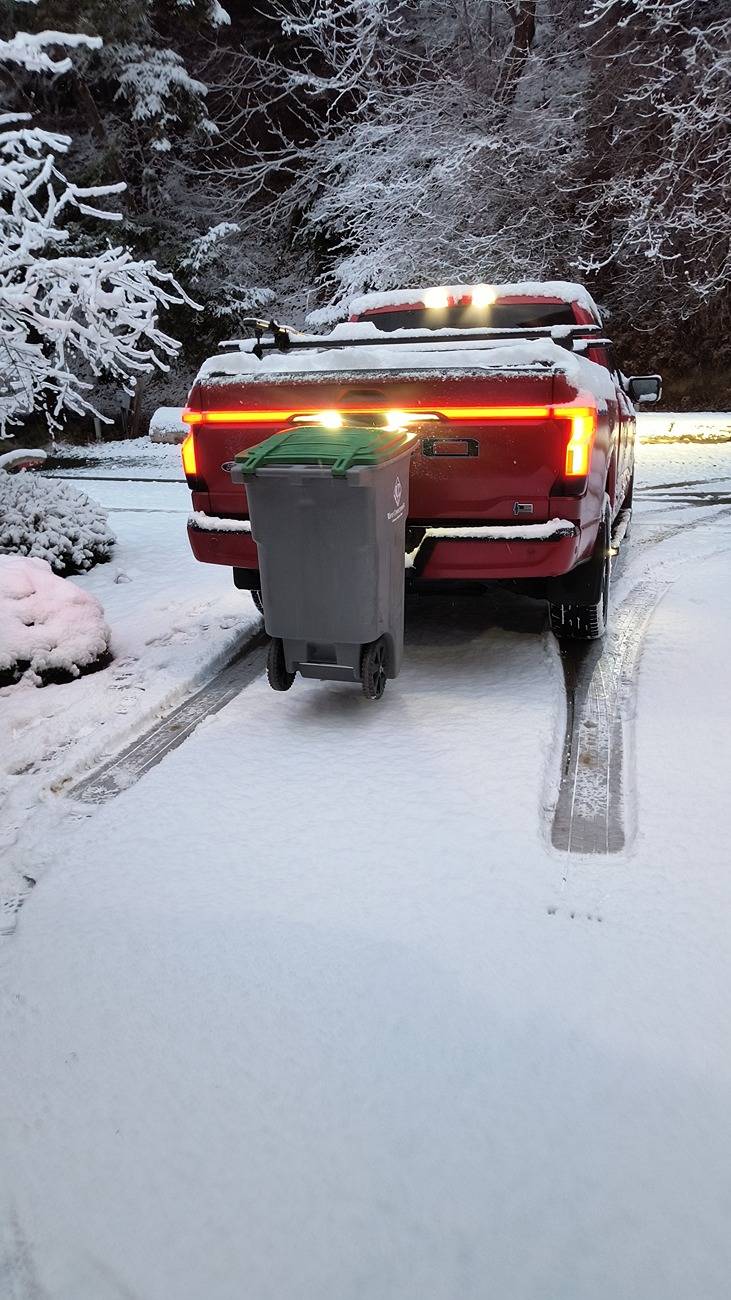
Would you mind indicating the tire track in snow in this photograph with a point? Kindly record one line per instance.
(600, 692)
(594, 811)
(169, 731)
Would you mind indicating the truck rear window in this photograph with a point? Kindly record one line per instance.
(512, 315)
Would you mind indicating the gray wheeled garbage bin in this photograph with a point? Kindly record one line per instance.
(328, 514)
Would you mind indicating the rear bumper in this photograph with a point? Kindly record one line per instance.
(441, 558)
(437, 558)
(222, 545)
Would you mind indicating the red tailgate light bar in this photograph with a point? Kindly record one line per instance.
(582, 421)
(412, 416)
(285, 416)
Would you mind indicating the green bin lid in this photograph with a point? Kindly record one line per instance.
(336, 449)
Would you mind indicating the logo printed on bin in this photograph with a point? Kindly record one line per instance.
(394, 515)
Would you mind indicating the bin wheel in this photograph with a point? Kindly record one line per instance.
(280, 678)
(373, 670)
(256, 597)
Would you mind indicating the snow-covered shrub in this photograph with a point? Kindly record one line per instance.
(22, 458)
(52, 520)
(166, 425)
(49, 628)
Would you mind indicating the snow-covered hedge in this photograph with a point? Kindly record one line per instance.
(52, 520)
(49, 628)
(22, 458)
(166, 425)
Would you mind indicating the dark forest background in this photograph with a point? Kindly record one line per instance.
(281, 156)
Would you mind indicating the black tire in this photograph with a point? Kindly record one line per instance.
(588, 622)
(280, 678)
(374, 667)
(256, 597)
(626, 511)
(629, 494)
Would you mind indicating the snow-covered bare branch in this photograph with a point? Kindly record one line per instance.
(29, 50)
(67, 318)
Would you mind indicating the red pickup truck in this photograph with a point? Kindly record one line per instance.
(525, 463)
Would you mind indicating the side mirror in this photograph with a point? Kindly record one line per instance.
(645, 388)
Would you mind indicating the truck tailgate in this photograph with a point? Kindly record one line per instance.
(488, 448)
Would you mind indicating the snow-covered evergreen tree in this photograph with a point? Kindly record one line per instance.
(65, 316)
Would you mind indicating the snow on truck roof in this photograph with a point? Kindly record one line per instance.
(437, 355)
(548, 290)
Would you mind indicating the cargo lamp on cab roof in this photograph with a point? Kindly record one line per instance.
(582, 422)
(438, 299)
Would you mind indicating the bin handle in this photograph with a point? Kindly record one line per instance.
(341, 466)
(256, 455)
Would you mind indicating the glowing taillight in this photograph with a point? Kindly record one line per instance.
(187, 452)
(583, 420)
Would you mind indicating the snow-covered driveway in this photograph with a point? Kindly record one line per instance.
(315, 1010)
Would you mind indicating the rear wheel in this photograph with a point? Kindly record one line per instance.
(374, 670)
(256, 597)
(587, 620)
(280, 678)
(626, 511)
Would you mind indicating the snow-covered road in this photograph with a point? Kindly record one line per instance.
(315, 1008)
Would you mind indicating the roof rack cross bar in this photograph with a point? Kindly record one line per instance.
(270, 336)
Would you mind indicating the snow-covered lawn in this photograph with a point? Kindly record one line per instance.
(315, 1010)
(172, 621)
(684, 426)
(140, 455)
